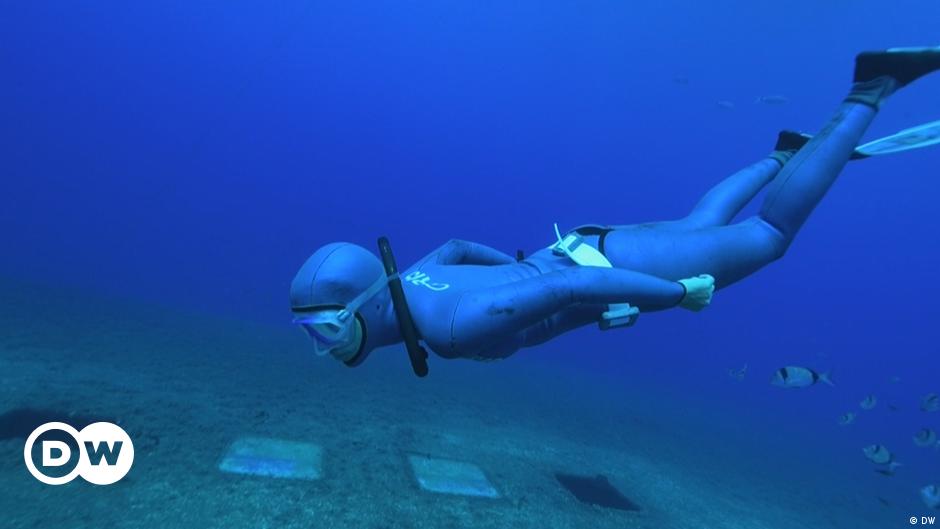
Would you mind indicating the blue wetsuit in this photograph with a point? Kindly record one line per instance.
(471, 301)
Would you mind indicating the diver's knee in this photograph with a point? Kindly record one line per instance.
(697, 220)
(774, 241)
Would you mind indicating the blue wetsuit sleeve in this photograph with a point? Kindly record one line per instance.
(590, 284)
(458, 252)
(486, 317)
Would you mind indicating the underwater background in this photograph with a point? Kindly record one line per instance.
(166, 167)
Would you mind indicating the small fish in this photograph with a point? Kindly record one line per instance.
(725, 104)
(738, 374)
(930, 402)
(869, 402)
(926, 437)
(884, 502)
(847, 418)
(880, 455)
(772, 100)
(931, 496)
(680, 79)
(798, 377)
(892, 407)
(895, 379)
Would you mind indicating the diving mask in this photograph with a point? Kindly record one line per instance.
(332, 327)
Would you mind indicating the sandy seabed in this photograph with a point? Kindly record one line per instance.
(186, 386)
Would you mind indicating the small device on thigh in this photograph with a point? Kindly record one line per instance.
(583, 254)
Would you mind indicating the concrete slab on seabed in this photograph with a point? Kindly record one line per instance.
(276, 458)
(451, 477)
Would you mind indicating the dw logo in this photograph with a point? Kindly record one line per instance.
(101, 453)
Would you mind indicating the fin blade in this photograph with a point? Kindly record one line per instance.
(906, 140)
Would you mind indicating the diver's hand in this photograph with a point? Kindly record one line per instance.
(698, 292)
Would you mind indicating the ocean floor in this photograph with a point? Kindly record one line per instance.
(380, 448)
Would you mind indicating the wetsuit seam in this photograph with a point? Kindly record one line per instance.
(453, 326)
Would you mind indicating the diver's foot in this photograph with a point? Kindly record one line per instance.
(904, 65)
(789, 140)
(788, 143)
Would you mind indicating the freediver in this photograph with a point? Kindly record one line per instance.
(467, 300)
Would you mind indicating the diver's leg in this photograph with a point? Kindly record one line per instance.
(731, 253)
(804, 180)
(734, 252)
(739, 250)
(729, 197)
(722, 202)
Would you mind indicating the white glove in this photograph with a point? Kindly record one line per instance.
(698, 292)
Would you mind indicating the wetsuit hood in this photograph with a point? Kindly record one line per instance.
(333, 277)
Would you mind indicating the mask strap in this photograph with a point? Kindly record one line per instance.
(368, 294)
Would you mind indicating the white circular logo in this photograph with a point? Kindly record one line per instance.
(105, 453)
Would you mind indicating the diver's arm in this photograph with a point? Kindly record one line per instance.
(486, 316)
(458, 252)
(592, 284)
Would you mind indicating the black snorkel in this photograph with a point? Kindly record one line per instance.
(406, 325)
